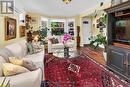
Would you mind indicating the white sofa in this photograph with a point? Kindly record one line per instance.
(52, 47)
(29, 79)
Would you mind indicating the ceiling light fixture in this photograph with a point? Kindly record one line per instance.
(67, 1)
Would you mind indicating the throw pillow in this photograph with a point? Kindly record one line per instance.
(54, 40)
(11, 69)
(29, 65)
(37, 47)
(23, 62)
(5, 53)
(30, 48)
(16, 61)
(2, 60)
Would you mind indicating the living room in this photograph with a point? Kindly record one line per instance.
(64, 43)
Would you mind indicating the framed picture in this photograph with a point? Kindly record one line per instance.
(22, 31)
(71, 24)
(10, 28)
(33, 20)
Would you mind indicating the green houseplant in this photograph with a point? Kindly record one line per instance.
(42, 32)
(96, 41)
(43, 35)
(5, 84)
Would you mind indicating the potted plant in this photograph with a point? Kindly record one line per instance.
(96, 41)
(5, 84)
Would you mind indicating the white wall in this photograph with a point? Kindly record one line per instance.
(87, 13)
(20, 9)
(2, 31)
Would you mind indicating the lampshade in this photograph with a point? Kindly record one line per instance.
(66, 1)
(36, 38)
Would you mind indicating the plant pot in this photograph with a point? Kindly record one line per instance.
(105, 55)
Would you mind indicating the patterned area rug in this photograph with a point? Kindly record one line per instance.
(91, 74)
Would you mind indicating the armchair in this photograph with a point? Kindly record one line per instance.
(52, 47)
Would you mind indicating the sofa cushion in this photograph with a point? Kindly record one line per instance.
(11, 69)
(15, 49)
(59, 45)
(24, 47)
(54, 40)
(2, 60)
(23, 62)
(60, 39)
(29, 79)
(70, 44)
(29, 64)
(16, 60)
(37, 47)
(37, 58)
(30, 48)
(5, 53)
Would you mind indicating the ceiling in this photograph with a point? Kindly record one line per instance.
(58, 7)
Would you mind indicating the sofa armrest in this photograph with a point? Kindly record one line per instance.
(29, 79)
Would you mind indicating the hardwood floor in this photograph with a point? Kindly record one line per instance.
(97, 55)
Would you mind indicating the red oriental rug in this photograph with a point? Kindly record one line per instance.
(91, 74)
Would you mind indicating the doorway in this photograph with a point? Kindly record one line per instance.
(86, 22)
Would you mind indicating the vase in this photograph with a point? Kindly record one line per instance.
(105, 56)
(66, 52)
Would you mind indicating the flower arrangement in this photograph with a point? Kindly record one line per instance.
(66, 37)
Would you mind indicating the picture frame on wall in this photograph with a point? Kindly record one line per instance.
(10, 28)
(33, 20)
(22, 31)
(71, 24)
